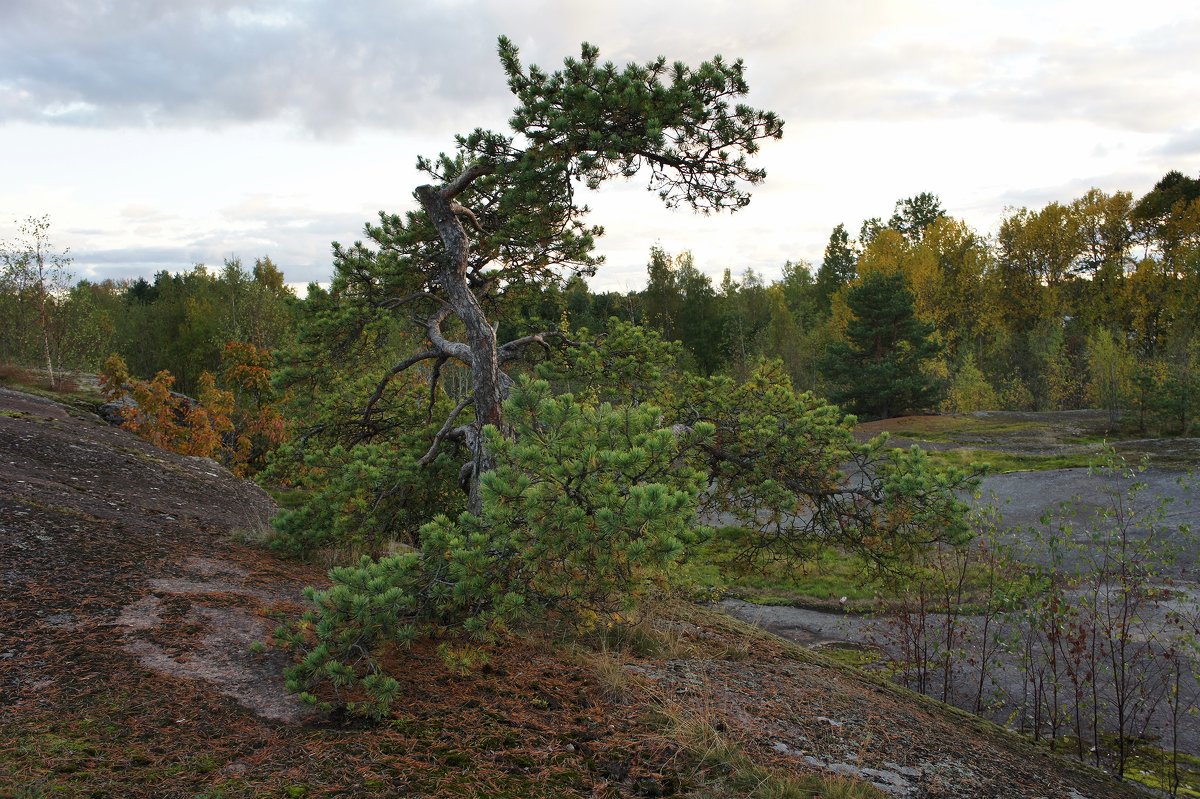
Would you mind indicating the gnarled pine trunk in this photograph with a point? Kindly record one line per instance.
(487, 383)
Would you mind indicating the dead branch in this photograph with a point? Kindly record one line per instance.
(445, 430)
(516, 347)
(424, 355)
(463, 212)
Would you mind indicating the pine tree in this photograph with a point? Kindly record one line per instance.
(501, 213)
(878, 368)
(837, 269)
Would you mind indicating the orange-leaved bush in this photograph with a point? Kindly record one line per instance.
(236, 423)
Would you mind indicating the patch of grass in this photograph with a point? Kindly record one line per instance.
(721, 567)
(859, 657)
(1145, 763)
(1004, 462)
(65, 388)
(1092, 438)
(950, 427)
(254, 535)
(724, 769)
(647, 635)
(737, 650)
(615, 681)
(11, 375)
(1151, 766)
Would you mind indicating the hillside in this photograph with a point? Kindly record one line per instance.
(133, 598)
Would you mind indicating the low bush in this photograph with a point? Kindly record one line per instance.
(588, 507)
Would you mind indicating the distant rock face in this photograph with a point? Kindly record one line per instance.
(114, 412)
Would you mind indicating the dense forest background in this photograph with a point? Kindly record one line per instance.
(1092, 302)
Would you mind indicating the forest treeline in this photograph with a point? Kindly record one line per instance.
(1092, 302)
(180, 323)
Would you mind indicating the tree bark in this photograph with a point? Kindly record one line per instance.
(487, 384)
(45, 322)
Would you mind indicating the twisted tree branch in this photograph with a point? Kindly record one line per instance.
(445, 430)
(468, 176)
(424, 355)
(444, 346)
(514, 348)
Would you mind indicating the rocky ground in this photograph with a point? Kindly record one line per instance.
(1091, 502)
(133, 596)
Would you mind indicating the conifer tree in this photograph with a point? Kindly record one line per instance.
(501, 213)
(837, 269)
(878, 368)
(577, 502)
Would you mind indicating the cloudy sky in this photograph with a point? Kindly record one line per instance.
(162, 133)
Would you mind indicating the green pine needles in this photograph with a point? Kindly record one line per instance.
(879, 369)
(581, 497)
(589, 506)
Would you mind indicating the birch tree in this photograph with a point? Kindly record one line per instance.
(33, 268)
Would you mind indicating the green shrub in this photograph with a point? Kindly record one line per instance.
(589, 505)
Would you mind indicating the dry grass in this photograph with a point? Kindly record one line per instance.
(709, 758)
(69, 389)
(15, 375)
(615, 681)
(724, 769)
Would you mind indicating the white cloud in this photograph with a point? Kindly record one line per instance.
(165, 133)
(1182, 144)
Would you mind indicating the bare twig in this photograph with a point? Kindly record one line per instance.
(424, 355)
(428, 457)
(514, 348)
